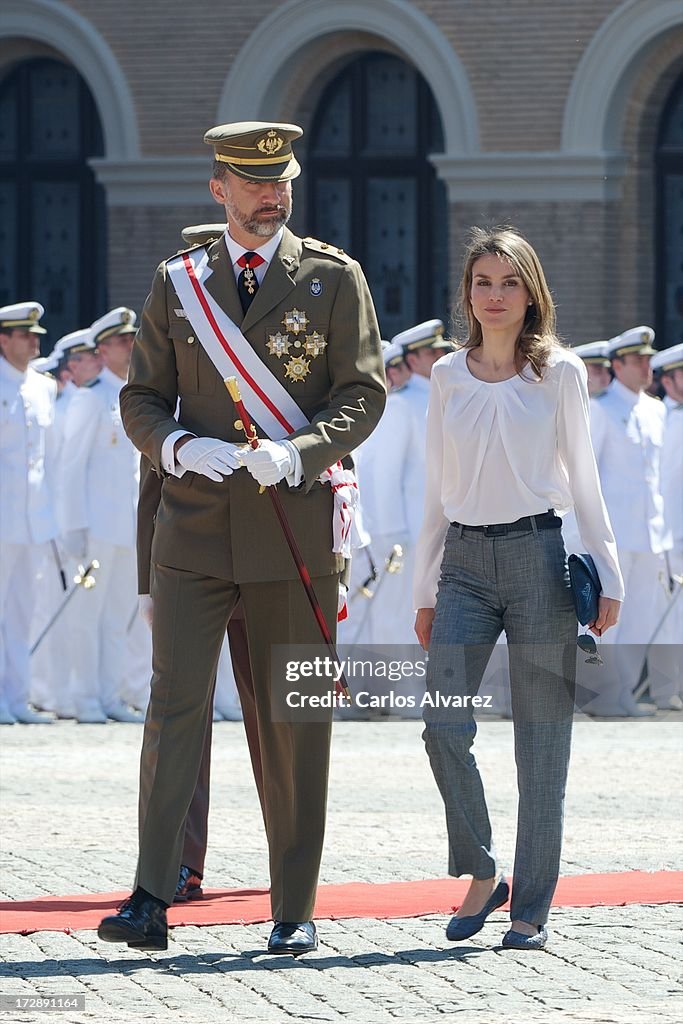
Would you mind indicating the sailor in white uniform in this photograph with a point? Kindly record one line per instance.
(27, 521)
(627, 428)
(98, 497)
(73, 356)
(422, 345)
(666, 669)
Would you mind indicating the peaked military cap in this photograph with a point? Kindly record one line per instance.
(637, 340)
(668, 359)
(117, 321)
(428, 334)
(257, 150)
(46, 364)
(23, 314)
(595, 352)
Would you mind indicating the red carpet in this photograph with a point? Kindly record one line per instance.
(354, 899)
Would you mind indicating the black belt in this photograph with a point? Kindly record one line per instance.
(544, 521)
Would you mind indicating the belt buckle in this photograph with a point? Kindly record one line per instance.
(496, 530)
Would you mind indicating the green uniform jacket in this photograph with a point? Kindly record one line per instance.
(228, 530)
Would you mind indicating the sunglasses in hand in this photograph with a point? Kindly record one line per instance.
(588, 645)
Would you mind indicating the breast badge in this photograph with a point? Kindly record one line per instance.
(279, 344)
(295, 321)
(316, 287)
(315, 344)
(298, 368)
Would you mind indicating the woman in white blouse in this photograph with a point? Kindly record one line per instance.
(508, 447)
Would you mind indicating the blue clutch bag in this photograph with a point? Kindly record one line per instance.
(586, 587)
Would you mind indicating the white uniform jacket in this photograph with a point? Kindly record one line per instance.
(27, 406)
(99, 465)
(627, 429)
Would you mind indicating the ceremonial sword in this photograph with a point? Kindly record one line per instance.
(304, 575)
(83, 578)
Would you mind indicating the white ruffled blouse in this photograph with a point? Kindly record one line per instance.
(500, 451)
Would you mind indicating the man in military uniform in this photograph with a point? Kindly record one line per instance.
(308, 332)
(27, 521)
(627, 427)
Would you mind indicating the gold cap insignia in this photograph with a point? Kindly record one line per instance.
(271, 143)
(127, 316)
(34, 315)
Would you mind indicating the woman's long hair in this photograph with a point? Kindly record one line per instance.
(537, 337)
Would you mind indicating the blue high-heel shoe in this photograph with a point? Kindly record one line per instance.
(464, 927)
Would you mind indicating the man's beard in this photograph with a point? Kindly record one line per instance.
(257, 225)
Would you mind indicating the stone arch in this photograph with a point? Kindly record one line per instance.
(603, 79)
(74, 38)
(296, 32)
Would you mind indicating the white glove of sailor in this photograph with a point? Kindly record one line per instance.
(269, 463)
(209, 456)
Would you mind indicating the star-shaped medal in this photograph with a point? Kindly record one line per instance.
(315, 344)
(295, 321)
(297, 368)
(279, 345)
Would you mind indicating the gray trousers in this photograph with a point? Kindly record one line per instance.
(519, 583)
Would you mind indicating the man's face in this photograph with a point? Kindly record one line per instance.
(633, 371)
(422, 360)
(83, 367)
(399, 375)
(673, 383)
(598, 378)
(257, 208)
(116, 352)
(19, 346)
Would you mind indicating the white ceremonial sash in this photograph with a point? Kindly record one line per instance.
(268, 403)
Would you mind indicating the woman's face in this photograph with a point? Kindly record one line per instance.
(498, 295)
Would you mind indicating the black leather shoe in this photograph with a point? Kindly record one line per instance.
(189, 885)
(293, 937)
(141, 922)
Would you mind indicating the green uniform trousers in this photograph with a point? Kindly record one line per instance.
(191, 613)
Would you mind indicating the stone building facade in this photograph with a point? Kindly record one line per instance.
(421, 118)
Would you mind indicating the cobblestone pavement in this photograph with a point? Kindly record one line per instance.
(68, 806)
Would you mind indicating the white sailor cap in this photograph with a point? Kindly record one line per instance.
(425, 335)
(595, 352)
(392, 353)
(45, 364)
(668, 359)
(637, 340)
(23, 314)
(74, 343)
(117, 321)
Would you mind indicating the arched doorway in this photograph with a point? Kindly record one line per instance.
(52, 212)
(372, 190)
(669, 273)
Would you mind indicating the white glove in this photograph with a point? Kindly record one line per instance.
(145, 606)
(76, 544)
(269, 463)
(209, 456)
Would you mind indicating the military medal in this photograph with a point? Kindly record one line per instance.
(298, 368)
(315, 344)
(279, 345)
(249, 280)
(295, 321)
